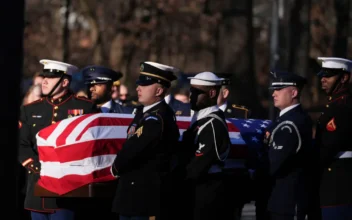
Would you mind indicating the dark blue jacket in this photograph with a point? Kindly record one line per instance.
(291, 152)
(180, 108)
(116, 108)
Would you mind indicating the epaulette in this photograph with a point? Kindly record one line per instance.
(36, 101)
(83, 98)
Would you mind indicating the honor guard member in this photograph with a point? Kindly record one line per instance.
(230, 110)
(144, 162)
(290, 149)
(57, 104)
(180, 108)
(333, 139)
(240, 176)
(207, 144)
(100, 81)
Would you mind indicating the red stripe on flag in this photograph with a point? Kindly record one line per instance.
(71, 182)
(232, 127)
(61, 139)
(80, 151)
(104, 121)
(183, 124)
(45, 133)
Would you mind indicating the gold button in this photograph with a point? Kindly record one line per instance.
(327, 106)
(330, 97)
(29, 171)
(52, 100)
(53, 122)
(60, 99)
(33, 125)
(55, 114)
(56, 107)
(329, 169)
(36, 168)
(32, 165)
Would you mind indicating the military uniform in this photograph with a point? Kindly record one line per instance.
(290, 153)
(206, 144)
(101, 75)
(34, 117)
(333, 139)
(144, 164)
(180, 108)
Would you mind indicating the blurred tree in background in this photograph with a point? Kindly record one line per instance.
(194, 35)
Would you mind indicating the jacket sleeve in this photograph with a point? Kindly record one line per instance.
(26, 155)
(285, 141)
(145, 138)
(335, 138)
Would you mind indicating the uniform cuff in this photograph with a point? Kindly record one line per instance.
(112, 172)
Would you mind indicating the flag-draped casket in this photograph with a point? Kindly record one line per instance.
(80, 150)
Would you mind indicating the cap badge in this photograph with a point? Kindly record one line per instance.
(141, 68)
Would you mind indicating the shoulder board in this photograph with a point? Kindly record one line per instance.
(83, 98)
(34, 102)
(240, 107)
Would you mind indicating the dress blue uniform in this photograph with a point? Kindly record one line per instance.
(290, 152)
(145, 161)
(101, 75)
(180, 108)
(333, 139)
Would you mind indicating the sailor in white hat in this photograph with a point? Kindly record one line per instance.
(333, 139)
(207, 140)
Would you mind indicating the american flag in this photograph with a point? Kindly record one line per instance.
(80, 150)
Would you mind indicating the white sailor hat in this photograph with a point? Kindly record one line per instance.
(206, 79)
(54, 68)
(334, 65)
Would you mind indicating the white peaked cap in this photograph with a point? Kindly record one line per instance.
(336, 63)
(163, 66)
(57, 65)
(206, 79)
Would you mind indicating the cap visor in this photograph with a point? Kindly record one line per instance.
(144, 82)
(277, 87)
(325, 73)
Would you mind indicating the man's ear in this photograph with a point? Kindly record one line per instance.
(65, 83)
(160, 90)
(294, 93)
(345, 78)
(212, 93)
(225, 93)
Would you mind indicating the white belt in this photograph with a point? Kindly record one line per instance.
(344, 154)
(229, 164)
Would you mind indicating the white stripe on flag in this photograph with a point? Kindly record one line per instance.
(79, 167)
(59, 129)
(101, 132)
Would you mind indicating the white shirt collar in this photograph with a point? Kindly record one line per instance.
(203, 113)
(146, 108)
(283, 111)
(105, 108)
(223, 106)
(168, 99)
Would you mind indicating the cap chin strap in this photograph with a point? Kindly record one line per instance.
(56, 85)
